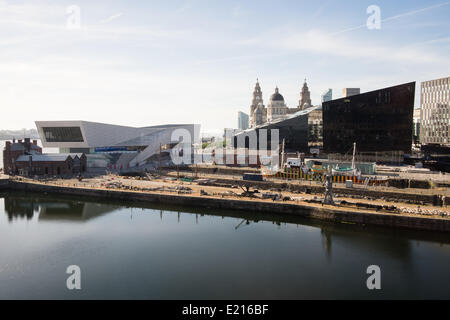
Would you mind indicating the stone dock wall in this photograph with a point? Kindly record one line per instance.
(4, 184)
(401, 196)
(303, 210)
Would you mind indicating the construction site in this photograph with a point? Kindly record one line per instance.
(401, 201)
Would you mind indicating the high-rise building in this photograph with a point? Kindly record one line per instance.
(347, 92)
(416, 126)
(378, 121)
(315, 124)
(242, 120)
(435, 111)
(327, 95)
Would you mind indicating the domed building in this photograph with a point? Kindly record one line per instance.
(277, 108)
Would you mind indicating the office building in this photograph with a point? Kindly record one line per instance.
(347, 92)
(378, 121)
(416, 126)
(293, 129)
(243, 120)
(327, 95)
(435, 111)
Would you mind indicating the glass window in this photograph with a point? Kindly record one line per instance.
(63, 134)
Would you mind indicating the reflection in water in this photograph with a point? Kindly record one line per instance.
(326, 241)
(20, 207)
(49, 208)
(162, 251)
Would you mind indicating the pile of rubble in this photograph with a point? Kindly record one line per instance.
(118, 185)
(426, 212)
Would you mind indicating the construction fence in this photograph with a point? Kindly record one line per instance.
(298, 174)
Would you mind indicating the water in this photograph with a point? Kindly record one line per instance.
(152, 252)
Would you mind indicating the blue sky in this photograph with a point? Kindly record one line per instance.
(150, 62)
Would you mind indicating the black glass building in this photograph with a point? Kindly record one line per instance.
(377, 121)
(294, 130)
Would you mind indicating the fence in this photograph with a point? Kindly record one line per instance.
(298, 174)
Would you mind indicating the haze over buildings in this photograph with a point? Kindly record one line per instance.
(149, 63)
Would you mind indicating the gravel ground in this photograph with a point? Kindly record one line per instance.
(169, 185)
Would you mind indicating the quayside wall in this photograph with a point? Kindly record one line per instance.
(326, 213)
(4, 184)
(394, 195)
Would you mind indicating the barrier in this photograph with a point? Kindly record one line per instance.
(298, 174)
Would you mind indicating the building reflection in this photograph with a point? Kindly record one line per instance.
(388, 242)
(326, 242)
(17, 207)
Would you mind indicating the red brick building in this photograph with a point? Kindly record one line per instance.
(15, 149)
(58, 164)
(26, 158)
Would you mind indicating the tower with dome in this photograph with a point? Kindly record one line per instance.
(277, 108)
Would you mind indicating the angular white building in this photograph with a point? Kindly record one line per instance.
(113, 146)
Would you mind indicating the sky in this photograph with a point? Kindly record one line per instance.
(142, 63)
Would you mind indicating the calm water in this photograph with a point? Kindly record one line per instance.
(158, 253)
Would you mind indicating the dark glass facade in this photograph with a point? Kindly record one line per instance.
(377, 121)
(294, 131)
(63, 134)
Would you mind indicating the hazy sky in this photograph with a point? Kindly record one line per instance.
(142, 63)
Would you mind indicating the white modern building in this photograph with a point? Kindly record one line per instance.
(113, 146)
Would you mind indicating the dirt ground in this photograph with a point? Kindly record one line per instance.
(170, 185)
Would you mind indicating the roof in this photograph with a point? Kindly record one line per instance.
(49, 157)
(276, 96)
(287, 117)
(17, 147)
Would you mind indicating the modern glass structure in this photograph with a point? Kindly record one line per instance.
(377, 121)
(293, 129)
(63, 134)
(107, 145)
(243, 120)
(327, 95)
(435, 112)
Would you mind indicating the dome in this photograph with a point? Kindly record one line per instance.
(276, 96)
